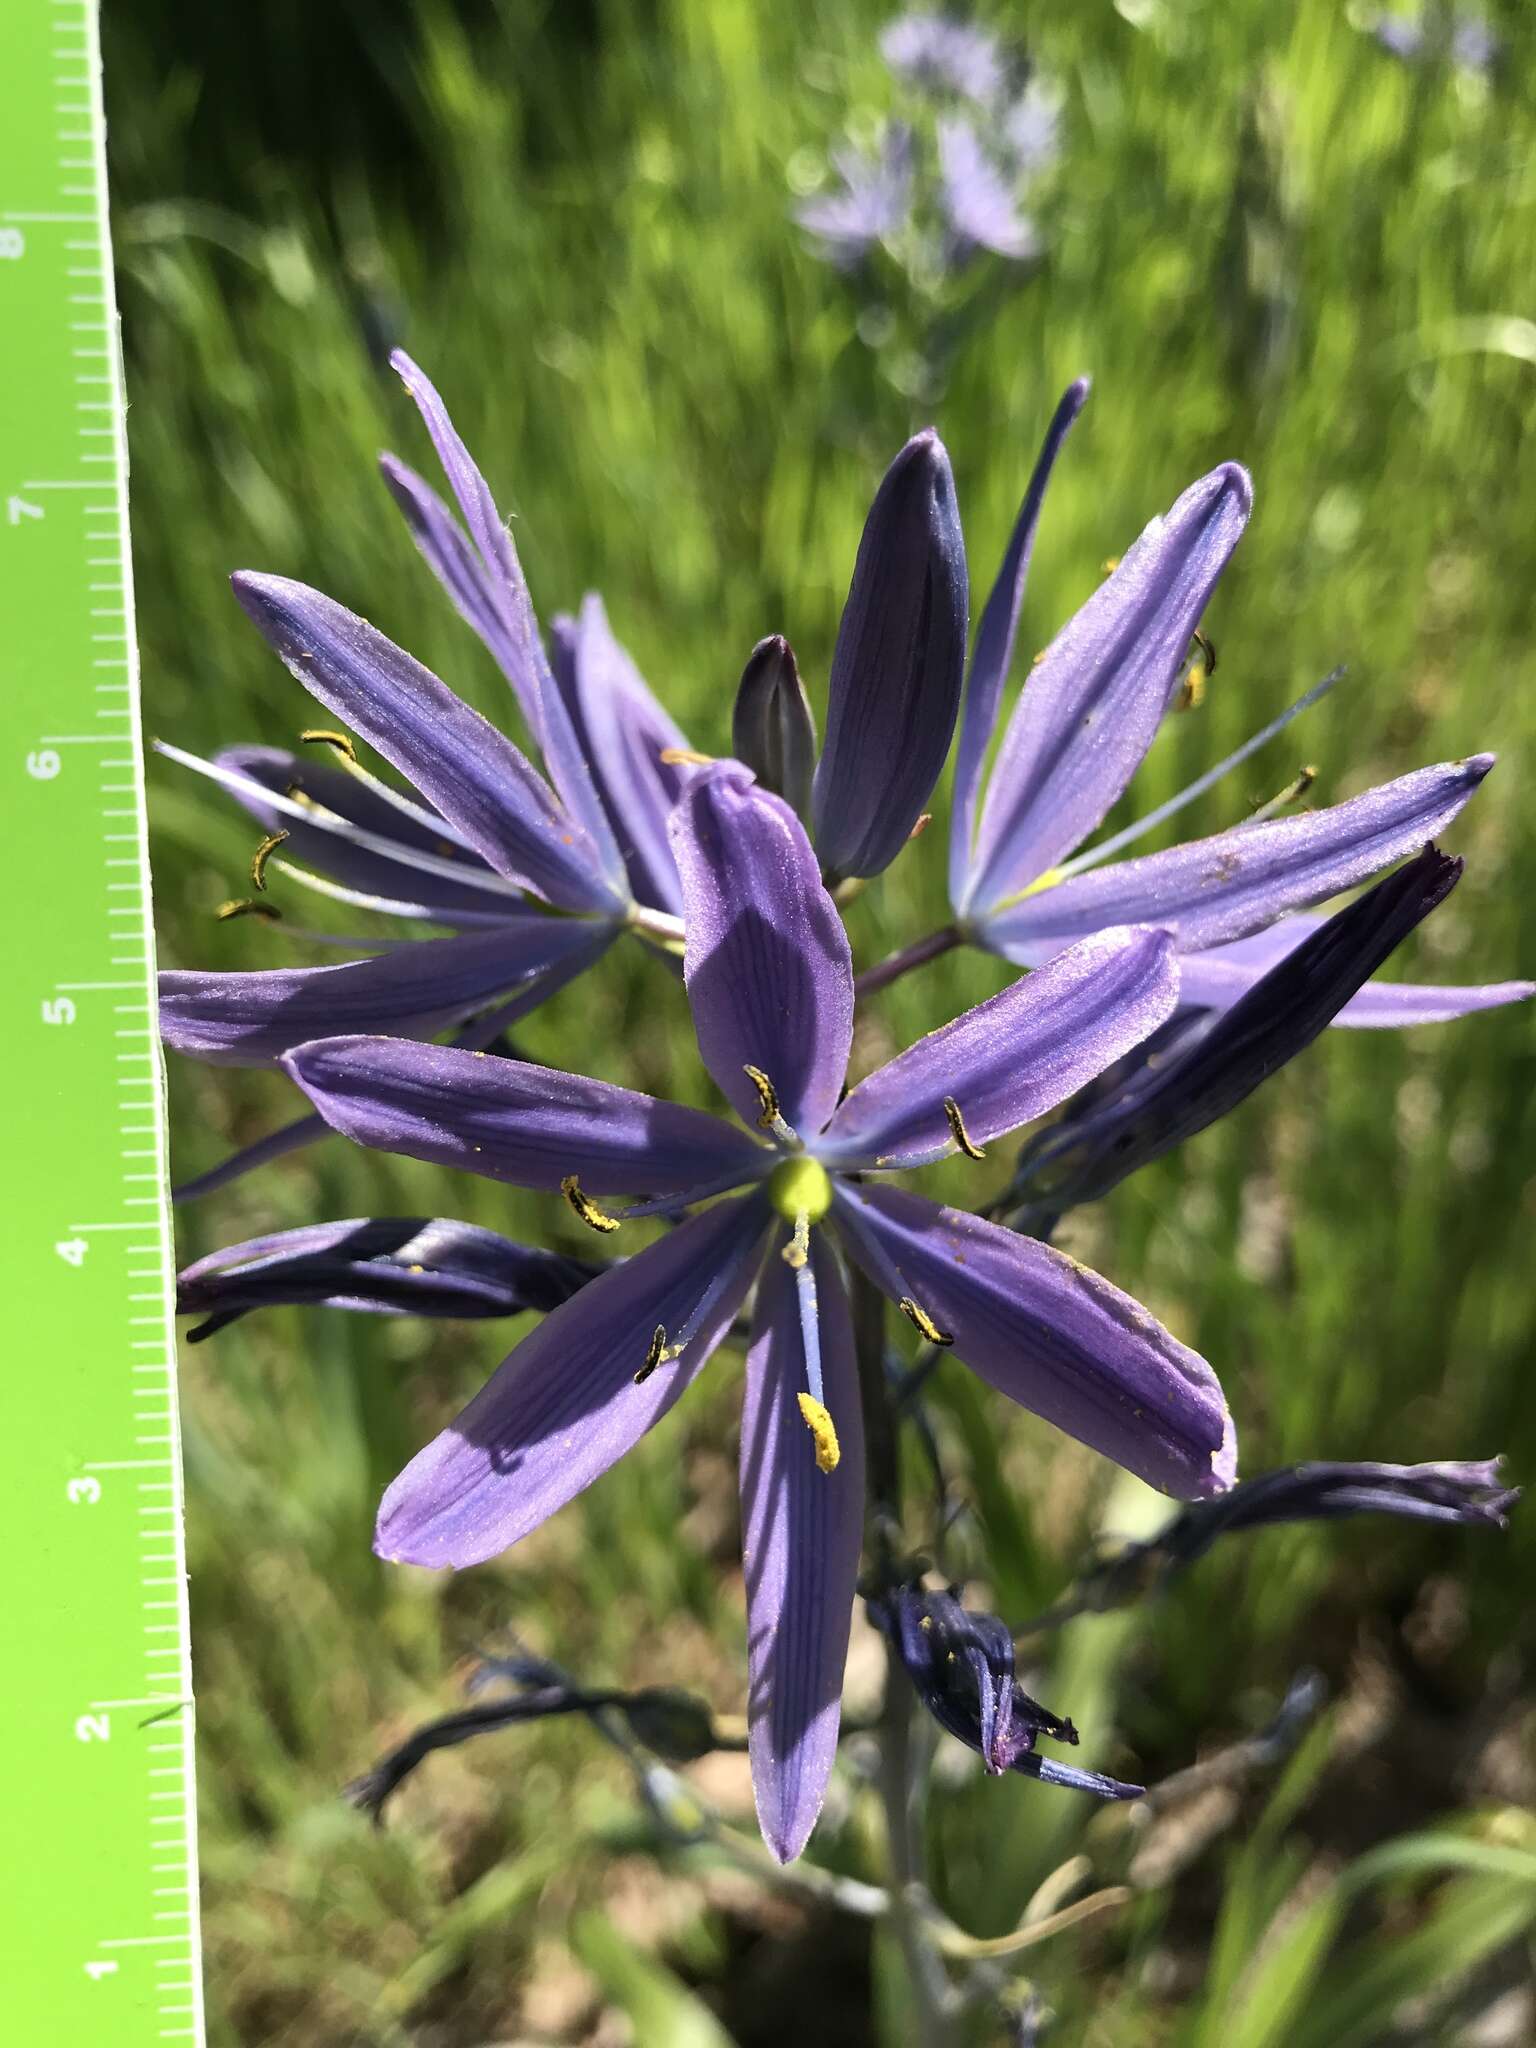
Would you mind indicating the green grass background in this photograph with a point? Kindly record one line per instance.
(1268, 241)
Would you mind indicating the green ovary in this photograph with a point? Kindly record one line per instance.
(800, 1187)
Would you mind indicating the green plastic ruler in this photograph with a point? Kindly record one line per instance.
(98, 1879)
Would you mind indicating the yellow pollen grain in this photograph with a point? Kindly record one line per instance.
(800, 1187)
(823, 1432)
(584, 1206)
(922, 1322)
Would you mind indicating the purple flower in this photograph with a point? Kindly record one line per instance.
(936, 53)
(770, 983)
(1089, 710)
(382, 1265)
(961, 1664)
(871, 201)
(1419, 38)
(979, 201)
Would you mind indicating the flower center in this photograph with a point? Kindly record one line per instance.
(800, 1187)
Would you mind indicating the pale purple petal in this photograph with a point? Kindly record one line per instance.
(800, 1548)
(1053, 1336)
(769, 973)
(872, 201)
(443, 547)
(516, 645)
(565, 1405)
(897, 668)
(249, 1019)
(992, 656)
(458, 760)
(979, 201)
(513, 1121)
(1090, 707)
(1012, 1058)
(1209, 891)
(1218, 978)
(305, 1130)
(937, 52)
(626, 733)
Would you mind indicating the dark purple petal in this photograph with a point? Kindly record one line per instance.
(509, 1120)
(516, 644)
(897, 668)
(275, 1145)
(1091, 705)
(773, 729)
(250, 1019)
(458, 760)
(1053, 1336)
(1212, 890)
(481, 899)
(800, 1547)
(992, 656)
(565, 1405)
(1049, 1772)
(626, 733)
(768, 968)
(1011, 1058)
(1222, 976)
(454, 563)
(381, 1265)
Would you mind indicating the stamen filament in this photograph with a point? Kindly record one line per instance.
(594, 1218)
(1293, 791)
(958, 1132)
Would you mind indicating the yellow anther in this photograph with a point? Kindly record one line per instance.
(958, 1132)
(684, 757)
(590, 1214)
(1208, 649)
(296, 793)
(798, 1250)
(245, 906)
(925, 819)
(1109, 565)
(800, 1188)
(823, 1432)
(262, 855)
(1191, 692)
(1292, 793)
(769, 1114)
(922, 1322)
(319, 736)
(654, 1356)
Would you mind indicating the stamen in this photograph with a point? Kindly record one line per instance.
(798, 1250)
(318, 736)
(1192, 690)
(654, 1356)
(246, 906)
(823, 1432)
(925, 819)
(770, 1113)
(590, 1214)
(262, 855)
(922, 1322)
(684, 757)
(1292, 792)
(958, 1132)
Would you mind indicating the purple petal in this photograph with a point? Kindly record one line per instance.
(365, 869)
(800, 1548)
(993, 654)
(897, 668)
(250, 1019)
(510, 1120)
(1218, 978)
(565, 1405)
(1211, 890)
(305, 1130)
(1053, 1336)
(626, 733)
(773, 729)
(516, 645)
(381, 1265)
(442, 545)
(768, 969)
(979, 201)
(1011, 1058)
(1090, 707)
(458, 760)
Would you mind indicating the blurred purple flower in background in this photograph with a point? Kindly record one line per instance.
(1435, 33)
(869, 200)
(938, 53)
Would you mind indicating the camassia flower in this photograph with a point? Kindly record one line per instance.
(1089, 710)
(770, 983)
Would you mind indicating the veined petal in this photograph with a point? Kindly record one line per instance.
(565, 1405)
(1053, 1336)
(992, 656)
(626, 734)
(250, 1019)
(292, 1137)
(442, 545)
(1011, 1058)
(894, 689)
(768, 969)
(1091, 705)
(458, 760)
(1222, 976)
(800, 1548)
(1213, 890)
(773, 729)
(512, 1121)
(381, 1265)
(516, 645)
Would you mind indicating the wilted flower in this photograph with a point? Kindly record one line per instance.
(770, 983)
(382, 1265)
(1089, 710)
(961, 1663)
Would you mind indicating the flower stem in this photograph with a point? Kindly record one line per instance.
(895, 965)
